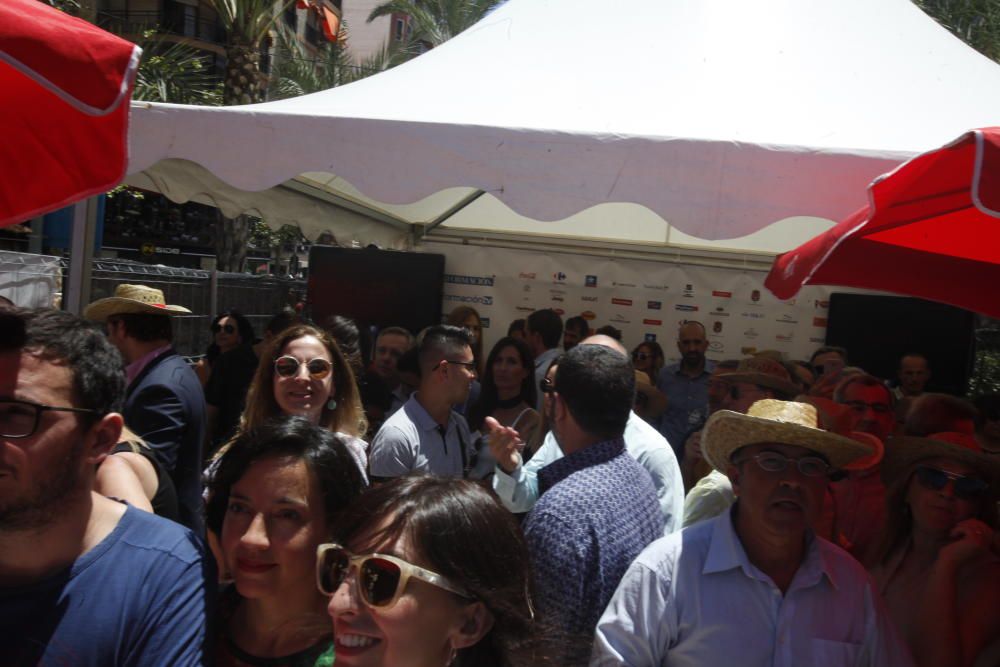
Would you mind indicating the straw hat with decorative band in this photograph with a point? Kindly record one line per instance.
(763, 371)
(132, 299)
(782, 422)
(903, 451)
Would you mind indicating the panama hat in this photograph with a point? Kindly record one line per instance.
(902, 452)
(764, 371)
(132, 299)
(783, 422)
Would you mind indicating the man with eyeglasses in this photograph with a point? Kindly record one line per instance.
(755, 585)
(427, 434)
(84, 580)
(753, 379)
(164, 402)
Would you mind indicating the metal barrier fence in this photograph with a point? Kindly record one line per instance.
(257, 297)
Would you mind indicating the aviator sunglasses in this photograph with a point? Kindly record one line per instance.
(288, 367)
(966, 488)
(381, 579)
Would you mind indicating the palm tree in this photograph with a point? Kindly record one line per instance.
(436, 21)
(975, 22)
(175, 72)
(248, 24)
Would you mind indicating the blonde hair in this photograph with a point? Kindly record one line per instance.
(348, 417)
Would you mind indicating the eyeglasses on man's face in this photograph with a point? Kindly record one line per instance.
(469, 365)
(20, 419)
(810, 466)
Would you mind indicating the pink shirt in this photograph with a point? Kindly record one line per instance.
(132, 370)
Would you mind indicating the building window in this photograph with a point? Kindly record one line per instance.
(400, 27)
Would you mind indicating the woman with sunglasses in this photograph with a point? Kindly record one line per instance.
(647, 357)
(302, 373)
(273, 500)
(428, 572)
(507, 396)
(939, 564)
(230, 330)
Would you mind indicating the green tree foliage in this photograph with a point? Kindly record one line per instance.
(175, 72)
(975, 22)
(436, 21)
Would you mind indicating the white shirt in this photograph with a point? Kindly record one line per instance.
(710, 497)
(694, 598)
(519, 490)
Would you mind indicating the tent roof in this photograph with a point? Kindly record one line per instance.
(697, 121)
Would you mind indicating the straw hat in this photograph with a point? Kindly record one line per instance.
(138, 299)
(903, 451)
(764, 371)
(783, 422)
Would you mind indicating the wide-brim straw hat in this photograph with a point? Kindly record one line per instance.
(132, 299)
(764, 371)
(774, 421)
(904, 451)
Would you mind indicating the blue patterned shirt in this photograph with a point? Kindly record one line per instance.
(597, 511)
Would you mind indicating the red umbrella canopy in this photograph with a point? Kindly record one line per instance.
(931, 230)
(66, 87)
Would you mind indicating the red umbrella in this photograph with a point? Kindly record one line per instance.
(931, 230)
(66, 88)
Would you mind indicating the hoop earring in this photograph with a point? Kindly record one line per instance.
(331, 404)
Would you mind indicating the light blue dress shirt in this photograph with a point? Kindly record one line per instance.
(519, 490)
(694, 598)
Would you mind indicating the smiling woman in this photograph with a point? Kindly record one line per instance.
(426, 572)
(276, 492)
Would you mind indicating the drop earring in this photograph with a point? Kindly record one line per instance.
(331, 404)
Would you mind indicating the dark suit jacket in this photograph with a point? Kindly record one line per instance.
(165, 406)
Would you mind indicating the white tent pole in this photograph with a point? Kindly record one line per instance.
(81, 255)
(462, 203)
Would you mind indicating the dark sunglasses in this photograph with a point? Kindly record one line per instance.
(288, 367)
(640, 356)
(229, 328)
(380, 579)
(966, 488)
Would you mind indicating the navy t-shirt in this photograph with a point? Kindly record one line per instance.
(138, 598)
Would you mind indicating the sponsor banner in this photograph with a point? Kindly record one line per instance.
(739, 314)
(478, 281)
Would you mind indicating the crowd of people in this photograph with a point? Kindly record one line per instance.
(556, 500)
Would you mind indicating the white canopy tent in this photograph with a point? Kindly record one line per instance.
(666, 123)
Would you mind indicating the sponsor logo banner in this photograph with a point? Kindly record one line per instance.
(755, 295)
(589, 298)
(787, 318)
(620, 319)
(649, 337)
(721, 294)
(485, 300)
(621, 302)
(653, 323)
(479, 281)
(784, 338)
(484, 322)
(654, 305)
(719, 311)
(752, 316)
(748, 351)
(559, 277)
(717, 327)
(620, 284)
(588, 315)
(590, 281)
(716, 346)
(750, 333)
(817, 339)
(821, 303)
(686, 308)
(527, 275)
(689, 291)
(820, 321)
(658, 288)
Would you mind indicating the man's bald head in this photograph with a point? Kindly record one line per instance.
(605, 341)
